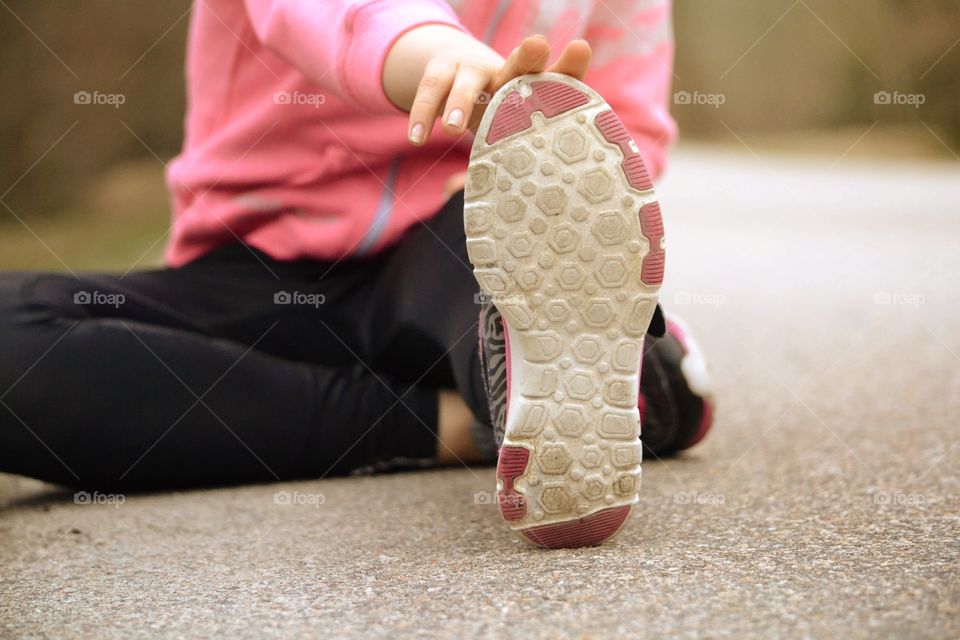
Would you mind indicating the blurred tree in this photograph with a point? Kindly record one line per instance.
(801, 64)
(49, 52)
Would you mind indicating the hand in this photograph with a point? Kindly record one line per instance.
(456, 72)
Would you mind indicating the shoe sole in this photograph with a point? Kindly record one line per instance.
(565, 236)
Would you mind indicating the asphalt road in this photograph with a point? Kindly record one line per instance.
(825, 504)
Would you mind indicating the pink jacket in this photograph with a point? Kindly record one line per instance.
(292, 147)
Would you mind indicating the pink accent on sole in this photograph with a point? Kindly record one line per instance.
(549, 98)
(651, 225)
(511, 464)
(511, 117)
(585, 532)
(554, 98)
(615, 133)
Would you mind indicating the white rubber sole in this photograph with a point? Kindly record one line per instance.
(553, 224)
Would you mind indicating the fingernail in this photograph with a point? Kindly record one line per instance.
(455, 119)
(416, 133)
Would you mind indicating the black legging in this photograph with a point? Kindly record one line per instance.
(237, 367)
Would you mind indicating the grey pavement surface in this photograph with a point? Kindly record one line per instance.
(825, 503)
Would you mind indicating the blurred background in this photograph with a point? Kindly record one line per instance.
(877, 79)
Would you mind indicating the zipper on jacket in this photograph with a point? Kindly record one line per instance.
(382, 215)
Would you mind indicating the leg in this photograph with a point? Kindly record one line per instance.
(455, 421)
(423, 321)
(144, 396)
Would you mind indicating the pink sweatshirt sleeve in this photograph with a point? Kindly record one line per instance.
(632, 67)
(342, 44)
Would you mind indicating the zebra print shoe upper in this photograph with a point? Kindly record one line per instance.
(493, 365)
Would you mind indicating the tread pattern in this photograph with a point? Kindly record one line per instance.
(511, 464)
(549, 98)
(651, 224)
(585, 532)
(567, 241)
(614, 132)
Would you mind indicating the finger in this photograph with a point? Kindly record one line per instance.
(470, 81)
(530, 57)
(431, 92)
(575, 60)
(533, 55)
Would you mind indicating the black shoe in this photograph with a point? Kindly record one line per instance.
(676, 397)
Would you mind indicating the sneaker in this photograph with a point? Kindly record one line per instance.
(565, 236)
(676, 394)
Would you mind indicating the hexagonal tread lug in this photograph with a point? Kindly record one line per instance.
(551, 200)
(520, 245)
(519, 161)
(481, 177)
(610, 228)
(596, 185)
(511, 209)
(564, 238)
(581, 385)
(598, 313)
(570, 145)
(587, 349)
(554, 459)
(557, 498)
(570, 421)
(612, 271)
